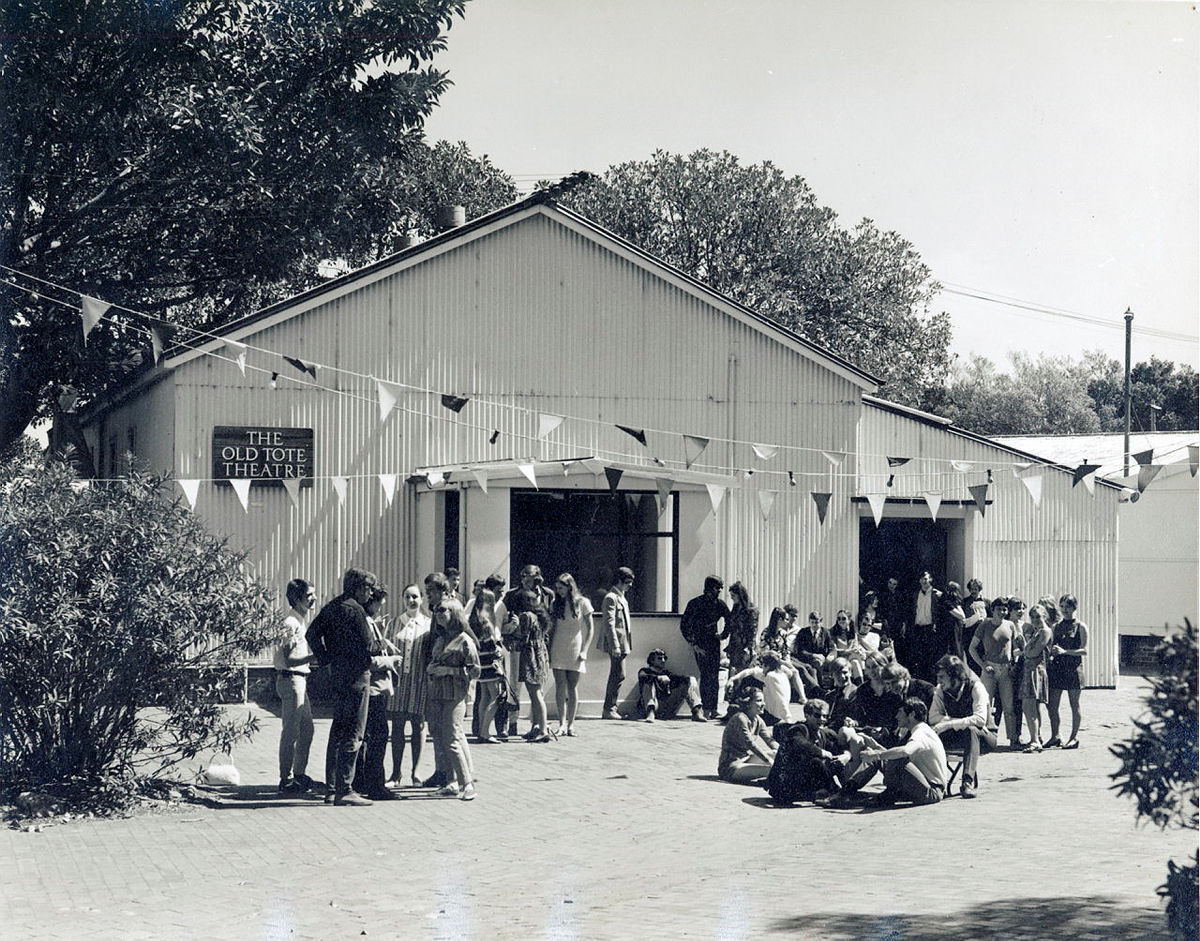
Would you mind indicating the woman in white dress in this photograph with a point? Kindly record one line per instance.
(572, 615)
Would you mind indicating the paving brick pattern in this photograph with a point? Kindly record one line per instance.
(622, 832)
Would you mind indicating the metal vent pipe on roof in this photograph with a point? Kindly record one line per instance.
(451, 217)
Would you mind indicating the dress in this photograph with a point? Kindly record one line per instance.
(1064, 671)
(1034, 681)
(410, 637)
(741, 629)
(567, 650)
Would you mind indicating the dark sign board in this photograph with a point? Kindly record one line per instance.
(263, 455)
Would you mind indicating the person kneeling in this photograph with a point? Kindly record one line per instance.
(806, 765)
(660, 692)
(959, 715)
(916, 769)
(746, 753)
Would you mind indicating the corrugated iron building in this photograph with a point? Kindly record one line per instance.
(534, 314)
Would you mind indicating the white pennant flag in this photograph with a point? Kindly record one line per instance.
(190, 489)
(593, 466)
(764, 452)
(481, 478)
(92, 310)
(388, 393)
(156, 344)
(716, 493)
(1034, 485)
(1089, 481)
(239, 353)
(664, 485)
(339, 487)
(435, 479)
(766, 500)
(388, 483)
(961, 466)
(547, 423)
(877, 501)
(242, 488)
(292, 486)
(1021, 467)
(834, 458)
(934, 502)
(527, 471)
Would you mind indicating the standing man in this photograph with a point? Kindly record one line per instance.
(894, 610)
(992, 648)
(616, 639)
(923, 642)
(292, 664)
(341, 639)
(699, 628)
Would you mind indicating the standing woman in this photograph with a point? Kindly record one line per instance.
(482, 620)
(409, 637)
(1066, 663)
(741, 629)
(529, 605)
(571, 637)
(454, 663)
(1036, 638)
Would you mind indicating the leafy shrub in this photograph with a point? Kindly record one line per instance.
(122, 623)
(1159, 766)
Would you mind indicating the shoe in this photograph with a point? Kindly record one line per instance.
(1055, 742)
(698, 716)
(384, 795)
(468, 793)
(329, 798)
(1032, 748)
(290, 788)
(840, 800)
(532, 734)
(351, 799)
(305, 782)
(501, 736)
(967, 788)
(1074, 743)
(544, 737)
(611, 714)
(485, 741)
(437, 779)
(570, 732)
(885, 798)
(650, 717)
(449, 790)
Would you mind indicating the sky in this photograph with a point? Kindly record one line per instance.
(1044, 152)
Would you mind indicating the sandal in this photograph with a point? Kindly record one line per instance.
(1032, 748)
(1074, 743)
(1054, 742)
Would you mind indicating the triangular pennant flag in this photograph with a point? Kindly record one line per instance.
(1144, 457)
(934, 502)
(877, 500)
(388, 483)
(527, 471)
(435, 479)
(566, 469)
(242, 489)
(1090, 483)
(716, 493)
(614, 475)
(156, 343)
(1084, 472)
(339, 487)
(834, 458)
(274, 380)
(791, 478)
(664, 485)
(766, 500)
(635, 499)
(388, 393)
(961, 466)
(764, 452)
(593, 466)
(302, 366)
(190, 489)
(1020, 467)
(693, 447)
(547, 423)
(455, 403)
(481, 478)
(898, 461)
(1193, 457)
(1033, 484)
(659, 461)
(494, 437)
(822, 502)
(238, 350)
(92, 312)
(748, 473)
(1146, 473)
(292, 486)
(979, 495)
(636, 433)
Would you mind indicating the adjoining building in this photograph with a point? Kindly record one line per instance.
(531, 388)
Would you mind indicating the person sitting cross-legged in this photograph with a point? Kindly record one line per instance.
(959, 715)
(661, 692)
(806, 765)
(746, 752)
(915, 770)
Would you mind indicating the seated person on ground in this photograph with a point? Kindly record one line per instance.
(746, 752)
(806, 764)
(812, 649)
(660, 692)
(779, 680)
(914, 770)
(959, 715)
(839, 693)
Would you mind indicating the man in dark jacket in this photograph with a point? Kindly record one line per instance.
(341, 639)
(699, 628)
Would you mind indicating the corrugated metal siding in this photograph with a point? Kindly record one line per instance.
(1069, 544)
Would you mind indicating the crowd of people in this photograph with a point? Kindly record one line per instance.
(814, 712)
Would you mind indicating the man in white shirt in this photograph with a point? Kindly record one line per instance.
(292, 664)
(914, 770)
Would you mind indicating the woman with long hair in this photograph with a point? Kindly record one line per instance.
(409, 636)
(746, 750)
(775, 637)
(1067, 651)
(453, 664)
(741, 629)
(1036, 637)
(571, 635)
(529, 607)
(491, 661)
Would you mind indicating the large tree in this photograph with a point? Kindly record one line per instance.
(1171, 387)
(193, 159)
(760, 237)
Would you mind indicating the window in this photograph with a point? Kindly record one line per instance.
(590, 533)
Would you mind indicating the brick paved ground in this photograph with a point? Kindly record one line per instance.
(623, 832)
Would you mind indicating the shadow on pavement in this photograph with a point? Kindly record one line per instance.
(264, 796)
(1077, 918)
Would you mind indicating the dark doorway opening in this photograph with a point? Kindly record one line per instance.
(901, 548)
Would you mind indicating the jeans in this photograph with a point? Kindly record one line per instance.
(368, 776)
(346, 732)
(616, 676)
(997, 679)
(667, 704)
(904, 779)
(708, 663)
(296, 737)
(449, 742)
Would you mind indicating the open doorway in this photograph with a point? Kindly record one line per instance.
(904, 548)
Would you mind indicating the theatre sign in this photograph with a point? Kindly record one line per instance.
(263, 455)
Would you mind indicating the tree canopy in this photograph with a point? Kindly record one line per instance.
(760, 237)
(198, 158)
